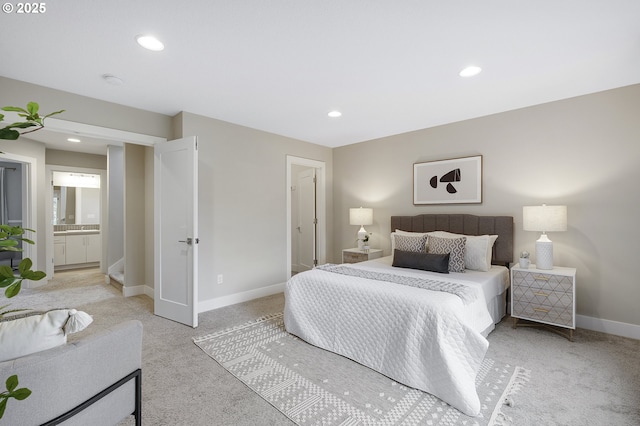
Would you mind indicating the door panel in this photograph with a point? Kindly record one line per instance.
(306, 218)
(176, 227)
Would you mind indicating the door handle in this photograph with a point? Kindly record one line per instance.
(189, 241)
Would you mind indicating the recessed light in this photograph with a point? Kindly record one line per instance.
(150, 42)
(334, 114)
(74, 140)
(470, 71)
(113, 80)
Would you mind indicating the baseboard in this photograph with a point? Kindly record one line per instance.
(136, 290)
(245, 296)
(607, 326)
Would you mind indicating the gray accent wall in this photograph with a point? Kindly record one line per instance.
(582, 152)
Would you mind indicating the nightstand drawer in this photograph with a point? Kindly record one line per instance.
(542, 297)
(348, 257)
(354, 255)
(543, 281)
(556, 315)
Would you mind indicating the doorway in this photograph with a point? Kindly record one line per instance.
(303, 219)
(306, 214)
(19, 204)
(76, 210)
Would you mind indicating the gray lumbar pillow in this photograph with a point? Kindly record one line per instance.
(424, 261)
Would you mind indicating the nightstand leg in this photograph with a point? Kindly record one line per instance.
(515, 322)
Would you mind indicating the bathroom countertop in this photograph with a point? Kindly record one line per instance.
(76, 232)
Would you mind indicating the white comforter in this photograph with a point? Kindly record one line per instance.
(421, 338)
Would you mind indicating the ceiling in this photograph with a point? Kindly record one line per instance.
(281, 66)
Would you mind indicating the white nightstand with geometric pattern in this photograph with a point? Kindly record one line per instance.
(545, 296)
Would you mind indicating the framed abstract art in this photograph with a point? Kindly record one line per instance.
(454, 181)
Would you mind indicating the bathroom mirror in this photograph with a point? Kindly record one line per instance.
(76, 198)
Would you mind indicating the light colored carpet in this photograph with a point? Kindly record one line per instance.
(594, 380)
(313, 386)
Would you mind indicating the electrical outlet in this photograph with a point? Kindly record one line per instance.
(220, 279)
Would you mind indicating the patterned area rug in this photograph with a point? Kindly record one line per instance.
(312, 386)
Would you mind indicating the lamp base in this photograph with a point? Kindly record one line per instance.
(361, 234)
(544, 254)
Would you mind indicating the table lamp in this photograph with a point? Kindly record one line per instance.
(545, 219)
(361, 216)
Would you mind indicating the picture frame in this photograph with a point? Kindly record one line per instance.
(452, 181)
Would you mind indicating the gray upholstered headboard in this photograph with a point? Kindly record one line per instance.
(464, 224)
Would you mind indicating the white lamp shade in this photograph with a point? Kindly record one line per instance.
(360, 216)
(544, 218)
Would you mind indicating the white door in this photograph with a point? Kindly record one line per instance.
(306, 219)
(176, 230)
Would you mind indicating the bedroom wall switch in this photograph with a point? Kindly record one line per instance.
(220, 279)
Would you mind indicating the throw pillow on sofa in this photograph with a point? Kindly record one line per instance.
(25, 334)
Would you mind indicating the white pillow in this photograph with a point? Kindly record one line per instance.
(478, 249)
(22, 335)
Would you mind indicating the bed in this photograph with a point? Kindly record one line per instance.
(420, 328)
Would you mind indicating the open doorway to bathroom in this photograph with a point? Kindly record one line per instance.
(77, 202)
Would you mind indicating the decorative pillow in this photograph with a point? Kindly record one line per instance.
(454, 246)
(424, 261)
(417, 243)
(25, 334)
(478, 249)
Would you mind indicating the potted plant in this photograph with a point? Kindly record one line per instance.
(365, 243)
(11, 236)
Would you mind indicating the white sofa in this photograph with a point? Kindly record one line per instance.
(93, 381)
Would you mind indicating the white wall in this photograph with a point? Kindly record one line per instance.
(242, 210)
(135, 244)
(582, 152)
(115, 187)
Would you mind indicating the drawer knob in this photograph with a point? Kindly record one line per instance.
(541, 294)
(541, 278)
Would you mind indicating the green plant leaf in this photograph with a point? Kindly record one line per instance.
(20, 394)
(21, 125)
(26, 240)
(6, 271)
(6, 282)
(8, 243)
(15, 109)
(12, 383)
(3, 406)
(13, 289)
(33, 108)
(33, 275)
(25, 265)
(53, 113)
(8, 134)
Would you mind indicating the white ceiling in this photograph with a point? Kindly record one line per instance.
(280, 66)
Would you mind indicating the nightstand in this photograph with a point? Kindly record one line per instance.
(544, 296)
(354, 255)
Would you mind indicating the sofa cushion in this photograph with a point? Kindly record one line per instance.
(25, 334)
